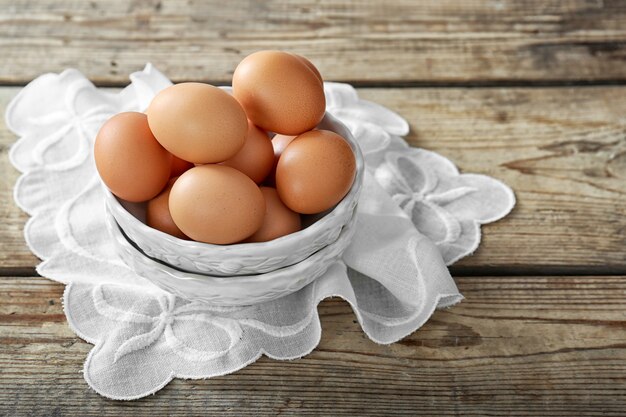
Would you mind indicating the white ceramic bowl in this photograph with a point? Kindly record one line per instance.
(247, 258)
(233, 290)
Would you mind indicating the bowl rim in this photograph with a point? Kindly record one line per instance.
(115, 205)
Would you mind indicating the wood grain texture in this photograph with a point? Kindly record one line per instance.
(563, 151)
(397, 41)
(516, 346)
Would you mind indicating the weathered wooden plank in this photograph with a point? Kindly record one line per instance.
(515, 346)
(364, 41)
(562, 150)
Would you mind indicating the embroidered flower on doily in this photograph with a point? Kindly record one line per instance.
(144, 337)
(63, 121)
(154, 319)
(446, 206)
(170, 312)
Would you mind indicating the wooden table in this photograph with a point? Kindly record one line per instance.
(531, 92)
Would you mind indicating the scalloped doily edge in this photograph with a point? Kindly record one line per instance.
(450, 300)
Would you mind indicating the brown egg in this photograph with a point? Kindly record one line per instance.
(179, 166)
(197, 122)
(279, 219)
(256, 157)
(130, 161)
(158, 213)
(279, 143)
(216, 204)
(279, 92)
(315, 171)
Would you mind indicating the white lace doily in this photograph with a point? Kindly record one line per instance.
(142, 336)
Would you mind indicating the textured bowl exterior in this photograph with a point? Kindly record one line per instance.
(234, 290)
(248, 258)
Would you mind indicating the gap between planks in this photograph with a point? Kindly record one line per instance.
(456, 271)
(411, 84)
